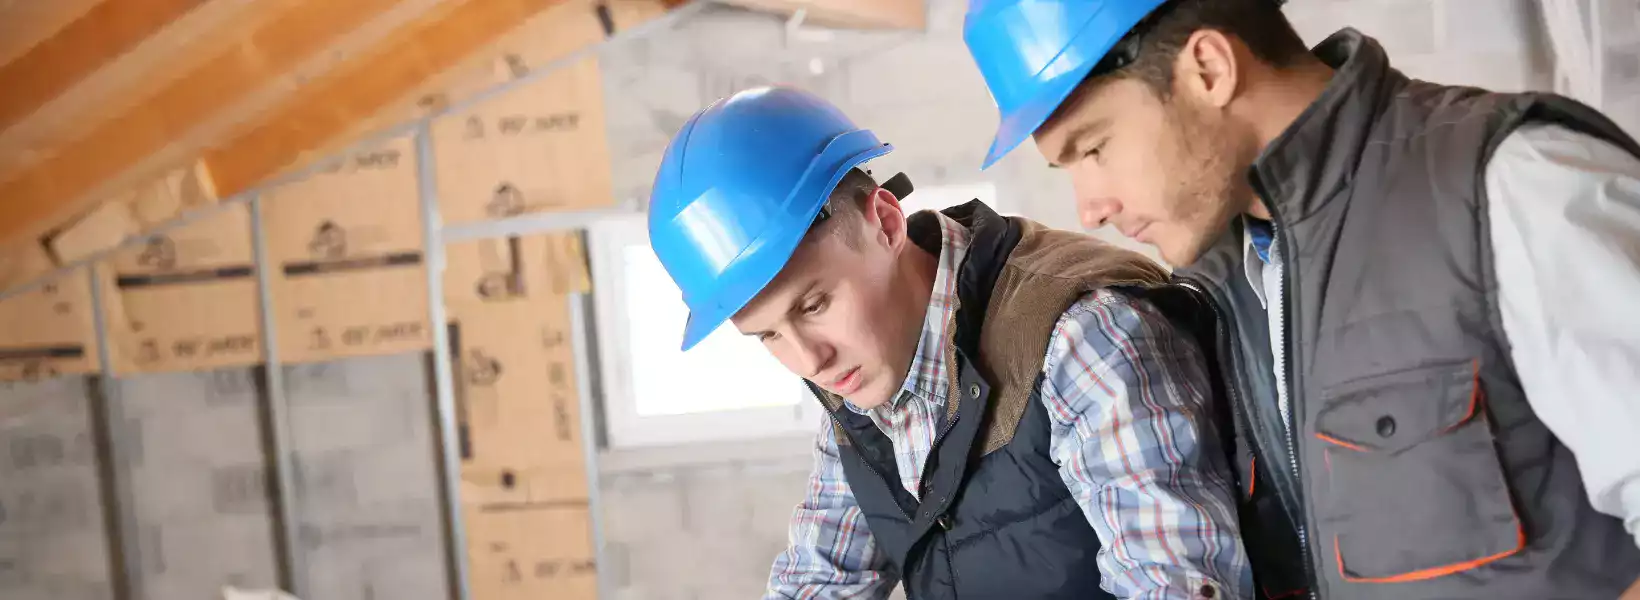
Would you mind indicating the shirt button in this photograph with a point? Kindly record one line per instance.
(944, 522)
(973, 391)
(1207, 591)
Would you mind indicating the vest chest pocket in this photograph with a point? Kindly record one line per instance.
(1411, 487)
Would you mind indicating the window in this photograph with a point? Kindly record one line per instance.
(727, 387)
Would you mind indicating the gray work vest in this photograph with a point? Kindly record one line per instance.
(1413, 465)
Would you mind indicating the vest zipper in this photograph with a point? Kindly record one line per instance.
(1231, 351)
(922, 478)
(1284, 379)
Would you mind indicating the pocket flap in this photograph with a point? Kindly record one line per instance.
(1393, 412)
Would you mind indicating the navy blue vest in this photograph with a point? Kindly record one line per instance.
(995, 519)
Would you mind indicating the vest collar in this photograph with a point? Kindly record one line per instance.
(991, 238)
(1316, 157)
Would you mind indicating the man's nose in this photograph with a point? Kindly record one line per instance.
(1094, 211)
(1095, 203)
(810, 355)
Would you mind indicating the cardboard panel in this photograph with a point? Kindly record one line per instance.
(104, 227)
(539, 148)
(133, 211)
(531, 554)
(524, 486)
(514, 367)
(48, 331)
(168, 197)
(566, 27)
(187, 299)
(347, 243)
(22, 262)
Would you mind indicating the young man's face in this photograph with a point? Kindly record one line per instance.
(838, 314)
(1161, 171)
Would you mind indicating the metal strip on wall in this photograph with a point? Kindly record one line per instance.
(580, 337)
(275, 420)
(449, 434)
(108, 423)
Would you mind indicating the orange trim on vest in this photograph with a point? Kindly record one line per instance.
(1475, 397)
(1332, 440)
(1431, 573)
(1252, 475)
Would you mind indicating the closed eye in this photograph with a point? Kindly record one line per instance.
(1096, 151)
(817, 305)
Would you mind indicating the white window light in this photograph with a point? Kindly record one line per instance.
(725, 388)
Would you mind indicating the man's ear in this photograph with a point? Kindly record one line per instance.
(1208, 68)
(885, 212)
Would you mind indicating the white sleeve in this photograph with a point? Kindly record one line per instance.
(1565, 212)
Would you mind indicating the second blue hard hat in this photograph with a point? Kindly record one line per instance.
(1033, 53)
(738, 188)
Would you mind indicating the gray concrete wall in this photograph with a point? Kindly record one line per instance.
(52, 544)
(191, 445)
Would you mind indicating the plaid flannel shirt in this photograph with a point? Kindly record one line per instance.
(1126, 396)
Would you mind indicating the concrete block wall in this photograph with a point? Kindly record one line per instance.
(52, 540)
(698, 532)
(191, 445)
(366, 478)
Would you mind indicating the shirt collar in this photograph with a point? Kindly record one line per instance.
(926, 379)
(1258, 252)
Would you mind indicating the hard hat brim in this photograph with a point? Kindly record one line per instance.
(1024, 120)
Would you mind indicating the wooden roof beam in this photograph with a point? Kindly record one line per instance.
(109, 29)
(333, 104)
(53, 189)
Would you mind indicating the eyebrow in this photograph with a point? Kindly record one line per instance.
(1067, 154)
(797, 303)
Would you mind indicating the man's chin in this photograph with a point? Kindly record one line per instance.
(1184, 253)
(1176, 257)
(867, 400)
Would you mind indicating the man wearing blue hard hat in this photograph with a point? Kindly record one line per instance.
(1427, 292)
(1014, 411)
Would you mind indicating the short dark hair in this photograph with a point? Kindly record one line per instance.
(845, 206)
(1258, 23)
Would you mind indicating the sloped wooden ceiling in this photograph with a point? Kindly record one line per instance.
(100, 96)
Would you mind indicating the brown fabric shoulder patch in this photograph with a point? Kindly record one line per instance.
(1046, 273)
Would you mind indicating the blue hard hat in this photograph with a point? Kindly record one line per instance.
(1033, 53)
(738, 188)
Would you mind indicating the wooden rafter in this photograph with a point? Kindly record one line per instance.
(52, 189)
(545, 37)
(100, 35)
(334, 103)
